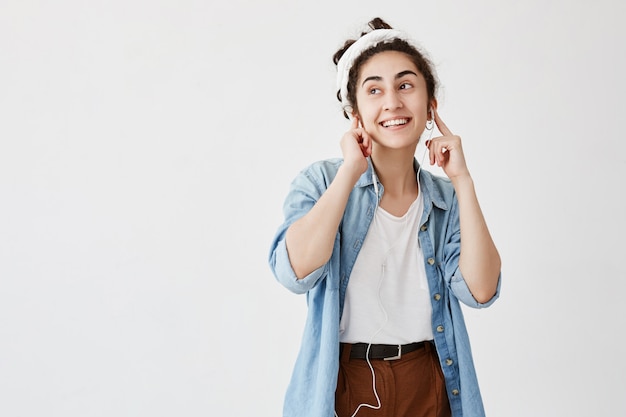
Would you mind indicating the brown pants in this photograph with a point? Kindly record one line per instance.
(410, 386)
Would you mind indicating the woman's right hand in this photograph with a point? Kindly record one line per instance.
(356, 146)
(311, 238)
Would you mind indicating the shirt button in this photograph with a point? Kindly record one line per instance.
(423, 228)
(449, 362)
(431, 261)
(440, 329)
(455, 392)
(437, 297)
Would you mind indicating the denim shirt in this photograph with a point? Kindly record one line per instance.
(311, 391)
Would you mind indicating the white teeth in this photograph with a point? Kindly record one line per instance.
(395, 122)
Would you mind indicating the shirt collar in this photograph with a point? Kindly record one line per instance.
(431, 193)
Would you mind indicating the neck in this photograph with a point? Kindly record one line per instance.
(396, 172)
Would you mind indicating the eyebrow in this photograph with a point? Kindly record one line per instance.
(379, 78)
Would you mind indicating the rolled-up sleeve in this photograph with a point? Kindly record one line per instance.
(452, 273)
(461, 291)
(281, 266)
(304, 192)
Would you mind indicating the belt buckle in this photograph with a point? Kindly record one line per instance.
(398, 356)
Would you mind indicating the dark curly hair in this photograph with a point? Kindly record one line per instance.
(422, 63)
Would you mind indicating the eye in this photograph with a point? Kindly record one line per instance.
(405, 86)
(374, 90)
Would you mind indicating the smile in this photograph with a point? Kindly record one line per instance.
(394, 122)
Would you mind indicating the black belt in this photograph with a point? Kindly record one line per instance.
(386, 352)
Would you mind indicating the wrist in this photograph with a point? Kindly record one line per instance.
(462, 180)
(351, 171)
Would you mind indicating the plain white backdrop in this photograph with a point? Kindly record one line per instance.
(146, 148)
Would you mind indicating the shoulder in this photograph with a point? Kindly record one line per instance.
(438, 189)
(442, 184)
(326, 166)
(322, 172)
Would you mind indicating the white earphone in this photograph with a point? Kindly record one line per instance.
(375, 181)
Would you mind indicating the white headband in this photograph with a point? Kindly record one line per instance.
(354, 51)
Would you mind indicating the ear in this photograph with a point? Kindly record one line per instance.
(432, 109)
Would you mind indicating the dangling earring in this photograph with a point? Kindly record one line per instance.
(431, 121)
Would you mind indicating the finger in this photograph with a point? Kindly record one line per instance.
(443, 157)
(431, 152)
(441, 125)
(366, 144)
(359, 135)
(437, 151)
(437, 154)
(355, 122)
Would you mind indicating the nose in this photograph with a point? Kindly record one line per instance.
(392, 101)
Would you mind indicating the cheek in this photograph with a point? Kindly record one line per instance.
(367, 115)
(371, 124)
(368, 121)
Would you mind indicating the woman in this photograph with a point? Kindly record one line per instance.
(385, 251)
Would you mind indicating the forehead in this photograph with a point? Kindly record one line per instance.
(387, 64)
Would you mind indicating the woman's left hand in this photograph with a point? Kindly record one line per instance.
(446, 151)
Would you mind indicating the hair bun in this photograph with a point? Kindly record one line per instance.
(378, 23)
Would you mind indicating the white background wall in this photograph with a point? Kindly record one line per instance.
(146, 148)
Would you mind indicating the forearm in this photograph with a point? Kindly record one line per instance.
(479, 260)
(311, 238)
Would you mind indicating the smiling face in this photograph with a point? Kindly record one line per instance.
(392, 100)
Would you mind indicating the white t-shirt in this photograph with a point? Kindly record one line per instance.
(387, 300)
